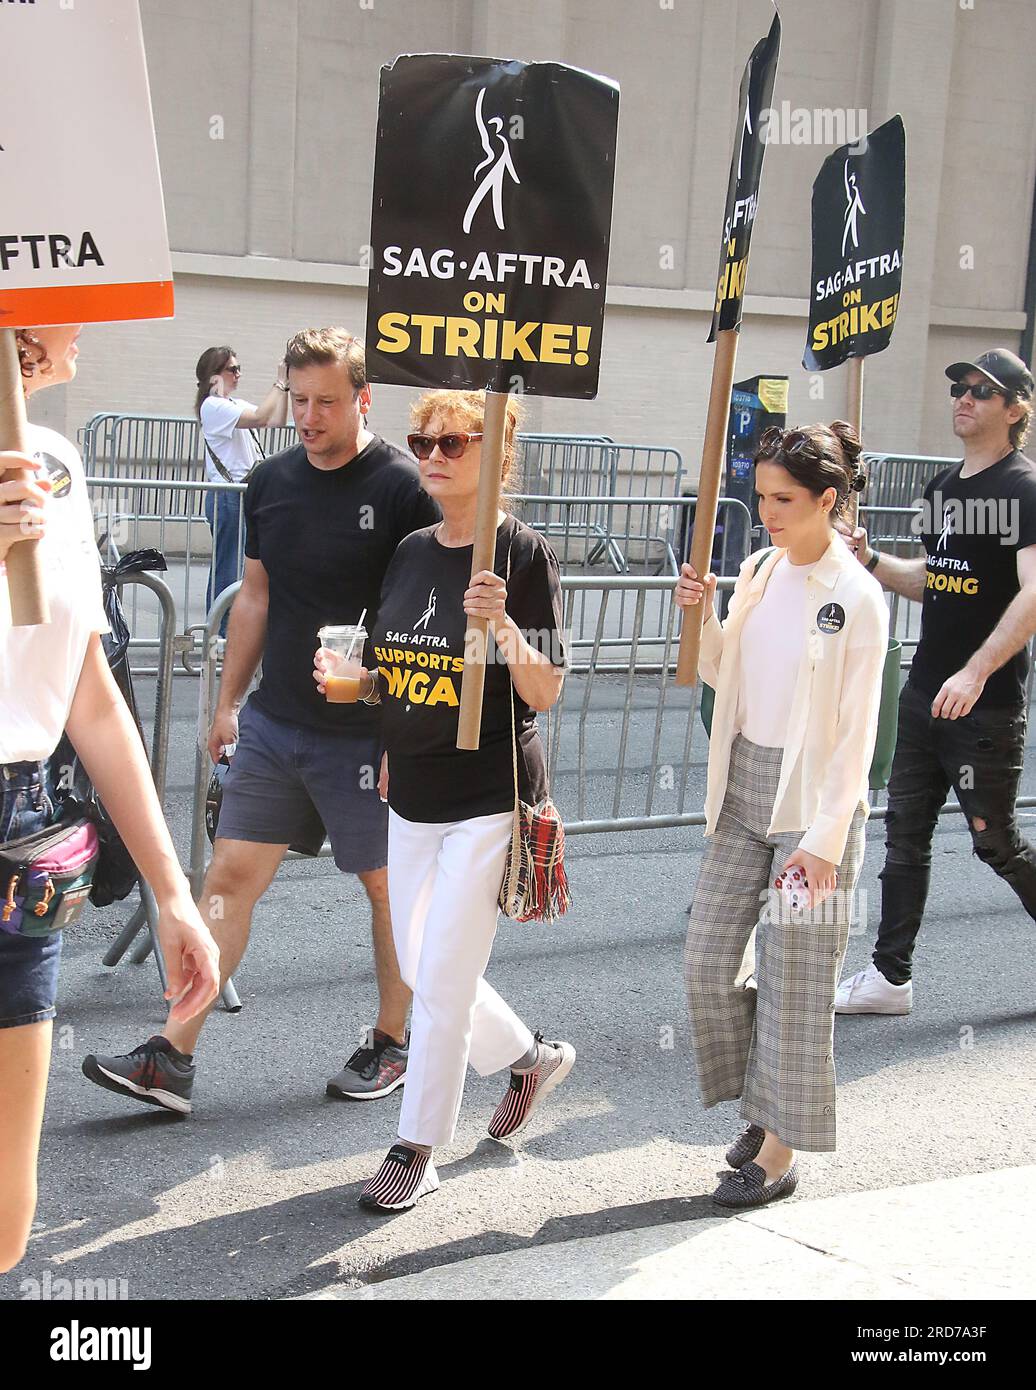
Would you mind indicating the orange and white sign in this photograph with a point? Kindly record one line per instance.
(82, 223)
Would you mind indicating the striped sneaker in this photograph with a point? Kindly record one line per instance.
(402, 1180)
(528, 1088)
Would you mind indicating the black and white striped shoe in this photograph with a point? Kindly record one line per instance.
(402, 1180)
(528, 1088)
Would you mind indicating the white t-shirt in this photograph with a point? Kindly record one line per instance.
(772, 643)
(235, 449)
(40, 666)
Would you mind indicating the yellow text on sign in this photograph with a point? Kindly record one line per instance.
(732, 281)
(495, 340)
(856, 319)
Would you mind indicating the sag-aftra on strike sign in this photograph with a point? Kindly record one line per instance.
(489, 232)
(82, 223)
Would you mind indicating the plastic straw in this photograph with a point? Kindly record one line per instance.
(348, 655)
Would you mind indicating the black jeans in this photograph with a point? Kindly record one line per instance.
(980, 756)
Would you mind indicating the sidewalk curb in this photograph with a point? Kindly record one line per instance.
(959, 1238)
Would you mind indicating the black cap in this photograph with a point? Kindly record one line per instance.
(1002, 368)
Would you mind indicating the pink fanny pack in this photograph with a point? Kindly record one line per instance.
(45, 878)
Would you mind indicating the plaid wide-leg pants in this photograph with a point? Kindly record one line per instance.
(774, 1046)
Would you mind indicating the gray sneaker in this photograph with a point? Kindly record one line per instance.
(154, 1073)
(377, 1067)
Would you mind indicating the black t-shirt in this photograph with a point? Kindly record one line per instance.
(419, 648)
(972, 529)
(325, 538)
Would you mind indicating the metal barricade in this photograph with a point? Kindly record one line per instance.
(145, 917)
(183, 538)
(146, 448)
(898, 480)
(671, 714)
(598, 471)
(894, 531)
(627, 751)
(542, 456)
(627, 534)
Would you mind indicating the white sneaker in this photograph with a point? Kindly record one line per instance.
(868, 992)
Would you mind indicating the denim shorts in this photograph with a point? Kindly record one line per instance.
(288, 785)
(28, 965)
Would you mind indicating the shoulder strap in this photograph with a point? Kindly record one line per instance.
(514, 732)
(217, 465)
(762, 556)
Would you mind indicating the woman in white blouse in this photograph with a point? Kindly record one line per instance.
(796, 668)
(232, 450)
(56, 677)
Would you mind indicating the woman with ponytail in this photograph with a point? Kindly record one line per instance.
(232, 450)
(796, 668)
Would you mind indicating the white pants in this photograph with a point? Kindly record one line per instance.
(444, 880)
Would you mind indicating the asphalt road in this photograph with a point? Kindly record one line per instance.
(254, 1195)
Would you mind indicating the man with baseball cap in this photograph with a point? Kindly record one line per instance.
(962, 712)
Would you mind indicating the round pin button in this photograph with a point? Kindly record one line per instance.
(831, 618)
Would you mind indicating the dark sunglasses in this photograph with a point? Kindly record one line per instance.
(451, 446)
(981, 390)
(236, 370)
(774, 441)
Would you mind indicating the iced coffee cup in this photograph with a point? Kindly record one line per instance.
(344, 646)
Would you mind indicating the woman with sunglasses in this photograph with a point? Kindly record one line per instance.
(232, 450)
(796, 669)
(450, 811)
(52, 678)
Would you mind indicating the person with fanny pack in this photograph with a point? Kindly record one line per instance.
(54, 677)
(797, 672)
(232, 450)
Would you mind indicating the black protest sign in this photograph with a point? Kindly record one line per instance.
(859, 208)
(490, 223)
(746, 169)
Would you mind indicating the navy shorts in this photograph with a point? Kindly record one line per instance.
(28, 964)
(289, 785)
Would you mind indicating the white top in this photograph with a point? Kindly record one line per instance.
(830, 736)
(772, 642)
(234, 448)
(40, 666)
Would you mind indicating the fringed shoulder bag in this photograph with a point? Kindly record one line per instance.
(535, 885)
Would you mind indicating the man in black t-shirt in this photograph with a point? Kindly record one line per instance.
(323, 520)
(962, 712)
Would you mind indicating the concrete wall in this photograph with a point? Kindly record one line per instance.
(268, 221)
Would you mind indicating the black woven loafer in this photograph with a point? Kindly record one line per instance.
(745, 1147)
(748, 1187)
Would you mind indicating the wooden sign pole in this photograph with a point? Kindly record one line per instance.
(483, 557)
(24, 573)
(713, 453)
(855, 409)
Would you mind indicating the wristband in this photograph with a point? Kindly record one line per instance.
(374, 698)
(872, 563)
(282, 386)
